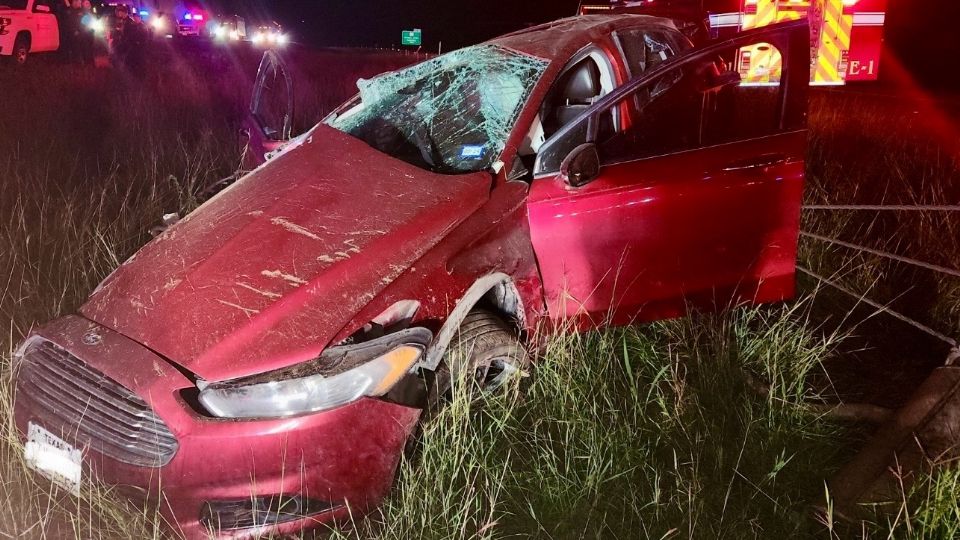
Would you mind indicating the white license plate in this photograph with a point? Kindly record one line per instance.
(53, 457)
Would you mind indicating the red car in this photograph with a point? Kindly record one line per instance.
(261, 364)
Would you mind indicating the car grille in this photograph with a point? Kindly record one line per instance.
(91, 408)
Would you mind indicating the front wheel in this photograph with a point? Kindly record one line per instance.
(485, 352)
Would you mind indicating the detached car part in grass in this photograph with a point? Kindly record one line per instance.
(261, 364)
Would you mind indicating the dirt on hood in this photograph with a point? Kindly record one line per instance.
(266, 273)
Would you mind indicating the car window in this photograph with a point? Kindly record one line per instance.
(586, 78)
(13, 4)
(451, 114)
(749, 109)
(645, 49)
(732, 96)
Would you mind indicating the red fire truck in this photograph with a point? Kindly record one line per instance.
(846, 35)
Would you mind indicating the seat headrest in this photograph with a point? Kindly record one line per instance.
(582, 82)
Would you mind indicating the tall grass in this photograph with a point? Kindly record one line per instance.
(904, 152)
(641, 432)
(652, 432)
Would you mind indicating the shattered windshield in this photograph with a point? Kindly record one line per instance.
(451, 114)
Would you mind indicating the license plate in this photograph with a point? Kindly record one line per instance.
(53, 457)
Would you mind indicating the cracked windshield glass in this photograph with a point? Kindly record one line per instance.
(450, 115)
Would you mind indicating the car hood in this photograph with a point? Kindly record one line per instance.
(266, 273)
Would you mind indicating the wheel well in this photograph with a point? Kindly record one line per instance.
(25, 36)
(495, 291)
(504, 299)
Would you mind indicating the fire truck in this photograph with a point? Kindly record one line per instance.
(846, 36)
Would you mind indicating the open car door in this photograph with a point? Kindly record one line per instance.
(695, 201)
(270, 120)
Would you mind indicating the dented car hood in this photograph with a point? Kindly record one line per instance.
(265, 274)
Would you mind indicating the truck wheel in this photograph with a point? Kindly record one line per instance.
(21, 49)
(485, 351)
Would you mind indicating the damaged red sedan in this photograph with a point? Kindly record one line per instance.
(260, 365)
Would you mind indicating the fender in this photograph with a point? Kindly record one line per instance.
(474, 294)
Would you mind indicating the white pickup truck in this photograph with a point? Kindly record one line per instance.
(27, 26)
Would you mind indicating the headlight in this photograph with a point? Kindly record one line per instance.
(339, 376)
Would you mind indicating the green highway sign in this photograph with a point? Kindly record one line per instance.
(411, 37)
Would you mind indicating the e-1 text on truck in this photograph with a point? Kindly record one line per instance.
(846, 36)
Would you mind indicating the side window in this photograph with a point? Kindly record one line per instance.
(732, 96)
(645, 49)
(752, 108)
(582, 83)
(723, 96)
(667, 120)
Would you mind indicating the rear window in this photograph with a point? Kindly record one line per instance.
(13, 4)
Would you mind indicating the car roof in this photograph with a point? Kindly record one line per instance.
(558, 40)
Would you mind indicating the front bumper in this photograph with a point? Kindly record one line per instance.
(346, 456)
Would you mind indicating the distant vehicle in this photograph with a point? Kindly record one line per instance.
(172, 17)
(29, 27)
(263, 363)
(269, 35)
(846, 35)
(229, 28)
(192, 22)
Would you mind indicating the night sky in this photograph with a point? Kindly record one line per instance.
(924, 34)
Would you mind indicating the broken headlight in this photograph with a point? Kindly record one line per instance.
(339, 376)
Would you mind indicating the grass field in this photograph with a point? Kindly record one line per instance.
(647, 432)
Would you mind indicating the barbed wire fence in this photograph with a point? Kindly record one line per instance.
(954, 354)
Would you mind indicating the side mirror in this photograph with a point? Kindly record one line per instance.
(41, 8)
(581, 165)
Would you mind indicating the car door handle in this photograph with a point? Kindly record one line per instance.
(756, 162)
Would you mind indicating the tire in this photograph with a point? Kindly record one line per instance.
(482, 346)
(21, 49)
(485, 351)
